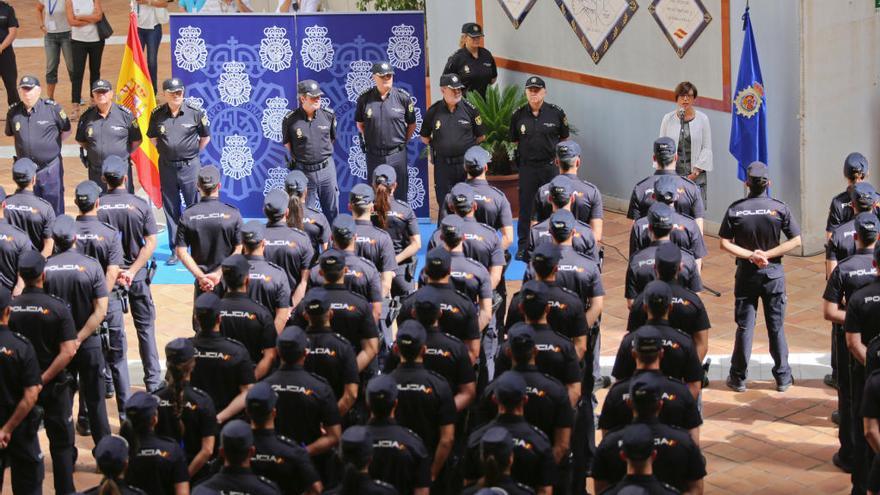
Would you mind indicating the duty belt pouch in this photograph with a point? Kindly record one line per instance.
(34, 418)
(409, 271)
(151, 271)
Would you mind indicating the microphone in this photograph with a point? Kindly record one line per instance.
(680, 113)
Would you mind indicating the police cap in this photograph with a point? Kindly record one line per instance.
(381, 68)
(451, 228)
(667, 257)
(664, 151)
(534, 295)
(411, 335)
(864, 195)
(253, 232)
(101, 86)
(657, 294)
(357, 444)
(476, 160)
(535, 82)
(425, 303)
(637, 443)
(361, 195)
(276, 202)
(568, 150)
(173, 85)
(472, 29)
(758, 170)
(462, 197)
(292, 342)
(561, 188)
(561, 224)
(309, 87)
(866, 224)
(647, 340)
(179, 351)
(452, 81)
(28, 82)
(546, 257)
(295, 183)
(643, 387)
(141, 405)
(382, 389)
(498, 443)
(23, 170)
(31, 264)
(521, 336)
(260, 399)
(207, 305)
(86, 194)
(111, 455)
(332, 261)
(666, 188)
(384, 174)
(209, 176)
(343, 226)
(316, 303)
(235, 268)
(236, 437)
(114, 167)
(64, 229)
(437, 263)
(660, 216)
(855, 163)
(510, 389)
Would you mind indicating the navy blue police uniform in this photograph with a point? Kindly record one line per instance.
(24, 209)
(680, 358)
(157, 464)
(477, 73)
(679, 406)
(103, 136)
(236, 437)
(288, 247)
(855, 167)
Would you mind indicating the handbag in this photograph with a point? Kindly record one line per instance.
(105, 30)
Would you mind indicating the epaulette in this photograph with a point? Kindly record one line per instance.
(538, 431)
(273, 265)
(160, 107)
(193, 107)
(289, 114)
(315, 211)
(403, 92)
(671, 488)
(124, 108)
(451, 337)
(682, 333)
(566, 290)
(287, 441)
(438, 376)
(402, 203)
(553, 379)
(499, 191)
(383, 484)
(675, 379)
(303, 232)
(328, 110)
(521, 108)
(21, 337)
(471, 260)
(236, 342)
(53, 296)
(15, 105)
(460, 293)
(486, 226)
(232, 206)
(267, 482)
(51, 101)
(110, 226)
(319, 378)
(199, 391)
(468, 104)
(339, 337)
(557, 107)
(364, 92)
(168, 439)
(368, 263)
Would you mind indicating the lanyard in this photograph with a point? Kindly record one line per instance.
(52, 6)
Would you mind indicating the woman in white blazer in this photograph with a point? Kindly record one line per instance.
(690, 130)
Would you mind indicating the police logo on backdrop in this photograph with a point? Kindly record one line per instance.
(357, 161)
(275, 180)
(190, 51)
(403, 48)
(236, 157)
(415, 195)
(419, 119)
(317, 49)
(358, 80)
(234, 85)
(273, 116)
(275, 51)
(198, 104)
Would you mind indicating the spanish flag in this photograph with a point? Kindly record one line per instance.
(135, 92)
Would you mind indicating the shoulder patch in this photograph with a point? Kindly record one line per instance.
(309, 208)
(21, 337)
(123, 108)
(329, 110)
(452, 337)
(273, 265)
(568, 291)
(319, 378)
(50, 101)
(289, 114)
(384, 484)
(403, 92)
(468, 104)
(15, 105)
(160, 107)
(554, 106)
(539, 432)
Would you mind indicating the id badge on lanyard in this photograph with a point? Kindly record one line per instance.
(50, 22)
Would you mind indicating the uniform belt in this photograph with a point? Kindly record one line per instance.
(542, 162)
(386, 151)
(312, 167)
(184, 160)
(452, 160)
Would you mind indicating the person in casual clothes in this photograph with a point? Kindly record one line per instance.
(151, 14)
(53, 23)
(83, 17)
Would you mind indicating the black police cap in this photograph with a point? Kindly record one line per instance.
(382, 389)
(332, 261)
(521, 336)
(111, 455)
(510, 389)
(561, 188)
(114, 167)
(438, 262)
(472, 29)
(141, 404)
(637, 443)
(535, 82)
(666, 188)
(382, 68)
(864, 195)
(660, 216)
(235, 267)
(86, 193)
(343, 226)
(207, 305)
(657, 293)
(28, 82)
(24, 170)
(295, 183)
(476, 159)
(309, 87)
(462, 197)
(855, 163)
(253, 232)
(667, 256)
(647, 340)
(643, 387)
(173, 84)
(316, 303)
(357, 444)
(427, 303)
(534, 295)
(209, 176)
(451, 228)
(101, 86)
(411, 335)
(361, 195)
(236, 437)
(758, 170)
(276, 202)
(497, 442)
(31, 264)
(260, 399)
(64, 229)
(179, 351)
(546, 256)
(451, 81)
(292, 342)
(664, 151)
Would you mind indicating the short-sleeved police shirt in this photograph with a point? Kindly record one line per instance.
(310, 140)
(13, 243)
(332, 357)
(361, 277)
(177, 136)
(475, 73)
(249, 322)
(689, 201)
(399, 456)
(840, 210)
(401, 224)
(223, 365)
(112, 135)
(533, 463)
(688, 312)
(555, 355)
(18, 365)
(452, 132)
(468, 277)
(567, 313)
(45, 320)
(32, 214)
(458, 315)
(850, 275)
(132, 217)
(197, 413)
(863, 312)
(281, 460)
(99, 240)
(587, 201)
(236, 480)
(352, 313)
(375, 245)
(842, 243)
(425, 402)
(268, 283)
(306, 403)
(385, 119)
(757, 223)
(582, 239)
(679, 361)
(79, 280)
(640, 271)
(7, 19)
(493, 208)
(289, 248)
(578, 274)
(444, 354)
(157, 465)
(679, 406)
(685, 234)
(537, 135)
(211, 229)
(37, 132)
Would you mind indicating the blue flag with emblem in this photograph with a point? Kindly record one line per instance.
(748, 129)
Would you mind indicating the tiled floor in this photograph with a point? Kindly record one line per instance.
(760, 441)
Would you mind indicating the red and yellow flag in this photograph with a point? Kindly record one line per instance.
(135, 92)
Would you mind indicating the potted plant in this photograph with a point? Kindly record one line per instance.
(496, 110)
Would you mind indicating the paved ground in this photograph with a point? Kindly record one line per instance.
(760, 441)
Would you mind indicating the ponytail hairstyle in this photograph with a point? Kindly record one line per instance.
(494, 468)
(352, 475)
(295, 212)
(133, 428)
(382, 204)
(109, 486)
(177, 378)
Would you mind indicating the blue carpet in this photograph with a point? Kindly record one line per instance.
(178, 274)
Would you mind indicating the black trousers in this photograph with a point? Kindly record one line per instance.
(82, 50)
(9, 74)
(88, 365)
(22, 455)
(844, 398)
(448, 171)
(862, 455)
(57, 403)
(532, 175)
(178, 178)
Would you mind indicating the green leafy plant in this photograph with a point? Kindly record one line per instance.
(496, 109)
(391, 5)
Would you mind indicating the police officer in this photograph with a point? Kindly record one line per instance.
(493, 208)
(309, 133)
(680, 359)
(685, 231)
(451, 126)
(474, 64)
(46, 322)
(30, 213)
(303, 215)
(223, 368)
(751, 231)
(357, 454)
(587, 203)
(268, 281)
(133, 218)
(688, 313)
(689, 201)
(370, 242)
(399, 220)
(361, 276)
(111, 456)
(637, 448)
(156, 464)
(467, 275)
(245, 320)
(399, 455)
(8, 32)
(679, 406)
(678, 460)
(386, 118)
(533, 462)
(237, 451)
(425, 402)
(186, 413)
(307, 411)
(17, 243)
(842, 243)
(351, 314)
(560, 195)
(458, 315)
(211, 230)
(641, 268)
(179, 132)
(19, 446)
(275, 456)
(849, 275)
(855, 169)
(496, 457)
(107, 129)
(38, 127)
(330, 355)
(288, 247)
(79, 280)
(101, 241)
(536, 128)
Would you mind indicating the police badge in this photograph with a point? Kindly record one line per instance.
(17, 126)
(317, 50)
(234, 85)
(162, 129)
(273, 116)
(190, 51)
(522, 129)
(467, 69)
(436, 124)
(236, 158)
(299, 133)
(275, 51)
(403, 48)
(478, 120)
(369, 113)
(90, 131)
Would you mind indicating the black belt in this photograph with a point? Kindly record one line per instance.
(386, 151)
(312, 167)
(452, 160)
(174, 162)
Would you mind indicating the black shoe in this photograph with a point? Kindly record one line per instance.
(109, 393)
(172, 260)
(782, 387)
(735, 386)
(520, 255)
(837, 461)
(830, 381)
(606, 381)
(83, 429)
(835, 417)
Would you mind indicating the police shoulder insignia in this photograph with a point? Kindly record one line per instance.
(50, 101)
(287, 441)
(328, 110)
(289, 114)
(62, 114)
(204, 119)
(123, 108)
(478, 120)
(237, 343)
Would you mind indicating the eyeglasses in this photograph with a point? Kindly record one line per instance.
(385, 76)
(687, 96)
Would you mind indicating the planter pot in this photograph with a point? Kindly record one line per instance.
(509, 185)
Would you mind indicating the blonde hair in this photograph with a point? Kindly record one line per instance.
(462, 40)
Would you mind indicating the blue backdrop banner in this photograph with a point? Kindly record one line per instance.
(243, 69)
